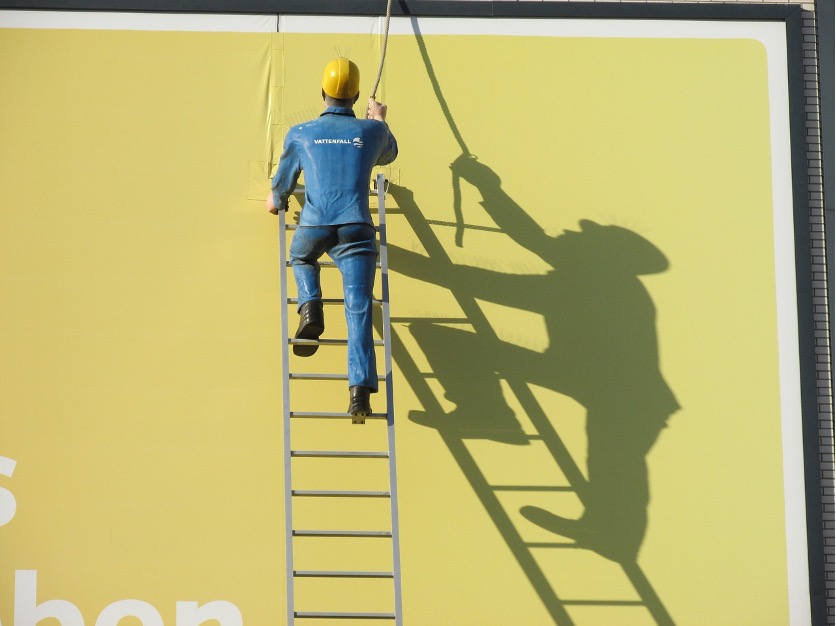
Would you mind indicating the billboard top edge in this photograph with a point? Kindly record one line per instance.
(428, 8)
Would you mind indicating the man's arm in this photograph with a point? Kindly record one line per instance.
(377, 111)
(287, 175)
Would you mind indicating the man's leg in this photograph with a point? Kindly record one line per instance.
(309, 243)
(356, 254)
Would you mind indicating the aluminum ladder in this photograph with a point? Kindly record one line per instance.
(294, 415)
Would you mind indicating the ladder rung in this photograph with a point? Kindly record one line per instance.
(315, 414)
(320, 615)
(326, 264)
(327, 342)
(331, 301)
(295, 226)
(340, 494)
(293, 376)
(342, 533)
(338, 454)
(314, 574)
(299, 190)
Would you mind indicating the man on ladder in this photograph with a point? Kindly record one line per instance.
(337, 152)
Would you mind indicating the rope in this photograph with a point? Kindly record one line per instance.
(383, 50)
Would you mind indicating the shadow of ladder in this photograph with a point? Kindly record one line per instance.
(487, 493)
(394, 614)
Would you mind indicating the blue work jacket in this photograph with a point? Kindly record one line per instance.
(337, 152)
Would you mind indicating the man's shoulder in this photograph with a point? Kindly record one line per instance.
(302, 127)
(334, 126)
(343, 125)
(327, 122)
(376, 127)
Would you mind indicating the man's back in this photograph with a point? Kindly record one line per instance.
(337, 152)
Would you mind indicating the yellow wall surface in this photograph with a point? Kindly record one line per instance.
(615, 275)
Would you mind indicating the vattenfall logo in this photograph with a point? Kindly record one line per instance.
(356, 142)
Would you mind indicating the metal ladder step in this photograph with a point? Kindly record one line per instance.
(321, 615)
(337, 454)
(295, 226)
(322, 493)
(328, 264)
(316, 574)
(328, 415)
(332, 301)
(343, 533)
(306, 376)
(327, 342)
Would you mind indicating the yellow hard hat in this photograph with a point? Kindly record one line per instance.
(341, 79)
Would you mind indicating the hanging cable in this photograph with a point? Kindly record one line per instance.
(383, 50)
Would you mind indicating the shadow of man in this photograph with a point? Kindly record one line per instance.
(602, 352)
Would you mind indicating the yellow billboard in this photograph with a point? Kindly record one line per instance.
(593, 317)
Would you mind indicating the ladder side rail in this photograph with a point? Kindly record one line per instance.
(288, 497)
(380, 184)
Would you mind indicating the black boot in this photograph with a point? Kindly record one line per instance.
(311, 326)
(358, 405)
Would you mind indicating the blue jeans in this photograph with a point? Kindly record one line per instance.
(354, 250)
